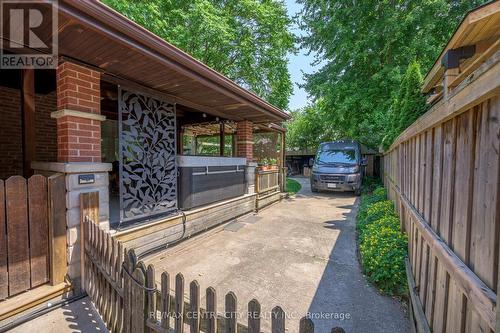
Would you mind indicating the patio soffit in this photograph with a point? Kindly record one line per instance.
(92, 34)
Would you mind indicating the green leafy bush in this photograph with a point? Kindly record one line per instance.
(376, 211)
(379, 194)
(370, 184)
(390, 221)
(382, 246)
(383, 251)
(292, 186)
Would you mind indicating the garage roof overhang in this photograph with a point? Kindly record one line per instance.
(93, 34)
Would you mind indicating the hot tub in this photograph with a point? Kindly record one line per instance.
(207, 179)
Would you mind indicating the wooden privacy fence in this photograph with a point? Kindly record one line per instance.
(125, 293)
(26, 225)
(443, 175)
(266, 180)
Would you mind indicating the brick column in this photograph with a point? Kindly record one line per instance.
(79, 152)
(244, 140)
(78, 114)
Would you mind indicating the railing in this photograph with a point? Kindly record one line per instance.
(103, 278)
(126, 296)
(443, 175)
(267, 180)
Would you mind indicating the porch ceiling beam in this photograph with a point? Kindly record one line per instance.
(276, 127)
(171, 98)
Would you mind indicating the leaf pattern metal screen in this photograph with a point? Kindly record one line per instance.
(148, 173)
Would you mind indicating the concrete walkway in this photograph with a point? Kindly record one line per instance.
(299, 254)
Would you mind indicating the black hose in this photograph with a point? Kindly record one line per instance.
(37, 313)
(166, 245)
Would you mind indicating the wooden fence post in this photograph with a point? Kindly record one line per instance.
(17, 234)
(277, 320)
(151, 294)
(306, 325)
(128, 266)
(108, 291)
(194, 300)
(231, 313)
(89, 210)
(179, 303)
(4, 276)
(257, 180)
(211, 310)
(165, 301)
(139, 311)
(38, 229)
(254, 316)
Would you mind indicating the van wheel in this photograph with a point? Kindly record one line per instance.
(314, 189)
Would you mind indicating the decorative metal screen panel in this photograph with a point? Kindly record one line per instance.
(148, 172)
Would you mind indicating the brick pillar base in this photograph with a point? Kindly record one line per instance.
(79, 140)
(244, 140)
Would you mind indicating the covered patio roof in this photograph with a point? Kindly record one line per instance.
(93, 34)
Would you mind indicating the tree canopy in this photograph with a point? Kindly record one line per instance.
(306, 129)
(407, 106)
(246, 40)
(364, 48)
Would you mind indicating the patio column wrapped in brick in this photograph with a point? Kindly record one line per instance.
(244, 140)
(79, 118)
(78, 114)
(244, 148)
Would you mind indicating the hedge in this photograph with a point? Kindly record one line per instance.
(382, 246)
(379, 194)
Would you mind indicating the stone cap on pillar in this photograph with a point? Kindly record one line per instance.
(72, 167)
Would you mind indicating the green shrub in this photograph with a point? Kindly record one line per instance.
(383, 251)
(370, 184)
(379, 194)
(382, 246)
(292, 186)
(390, 221)
(375, 211)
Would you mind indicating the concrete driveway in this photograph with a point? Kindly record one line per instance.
(299, 254)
